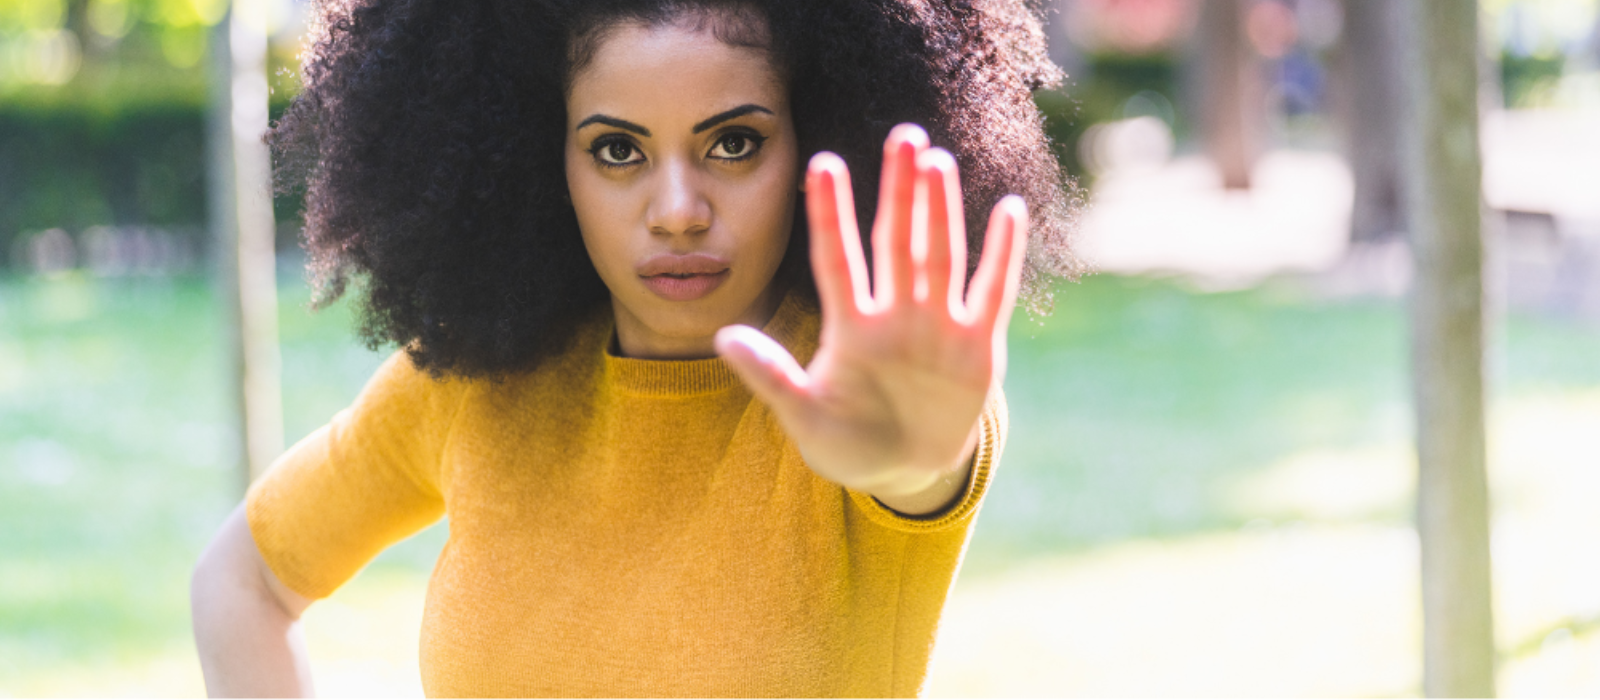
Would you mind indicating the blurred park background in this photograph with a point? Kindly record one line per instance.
(1210, 482)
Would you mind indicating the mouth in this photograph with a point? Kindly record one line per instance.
(683, 277)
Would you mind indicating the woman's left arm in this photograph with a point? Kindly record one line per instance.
(890, 404)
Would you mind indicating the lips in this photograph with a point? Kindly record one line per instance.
(683, 277)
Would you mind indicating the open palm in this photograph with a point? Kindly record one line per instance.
(891, 401)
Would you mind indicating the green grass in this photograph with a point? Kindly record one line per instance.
(1136, 401)
(115, 456)
(1134, 408)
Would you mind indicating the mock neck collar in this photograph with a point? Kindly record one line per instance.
(790, 325)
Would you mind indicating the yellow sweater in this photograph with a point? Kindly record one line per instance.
(620, 527)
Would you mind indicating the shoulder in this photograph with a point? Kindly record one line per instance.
(403, 380)
(400, 383)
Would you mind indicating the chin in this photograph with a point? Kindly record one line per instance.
(688, 320)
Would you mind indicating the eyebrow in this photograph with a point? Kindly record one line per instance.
(714, 120)
(734, 113)
(619, 123)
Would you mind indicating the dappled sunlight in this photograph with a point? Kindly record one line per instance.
(1544, 456)
(364, 640)
(1293, 611)
(175, 673)
(1317, 595)
(1564, 666)
(1330, 485)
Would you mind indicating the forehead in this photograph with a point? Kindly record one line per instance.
(677, 71)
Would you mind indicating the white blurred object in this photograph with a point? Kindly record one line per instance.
(1177, 218)
(1545, 161)
(1137, 144)
(46, 252)
(1149, 103)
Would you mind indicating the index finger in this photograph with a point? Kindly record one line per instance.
(836, 257)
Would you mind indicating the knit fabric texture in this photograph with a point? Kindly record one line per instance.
(623, 528)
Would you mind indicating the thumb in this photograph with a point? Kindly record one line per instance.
(769, 370)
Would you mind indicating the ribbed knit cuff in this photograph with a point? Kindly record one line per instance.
(991, 439)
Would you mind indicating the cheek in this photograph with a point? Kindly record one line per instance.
(596, 206)
(767, 207)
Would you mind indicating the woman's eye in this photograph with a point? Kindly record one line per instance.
(617, 152)
(735, 146)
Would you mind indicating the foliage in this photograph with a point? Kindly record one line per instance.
(1528, 80)
(127, 31)
(103, 111)
(75, 157)
(75, 168)
(1112, 81)
(115, 434)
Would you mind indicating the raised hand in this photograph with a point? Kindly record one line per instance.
(890, 403)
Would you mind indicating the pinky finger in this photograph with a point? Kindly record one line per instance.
(999, 274)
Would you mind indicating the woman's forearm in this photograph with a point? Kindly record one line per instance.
(246, 623)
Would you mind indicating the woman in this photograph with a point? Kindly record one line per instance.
(573, 219)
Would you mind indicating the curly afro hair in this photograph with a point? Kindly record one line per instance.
(428, 139)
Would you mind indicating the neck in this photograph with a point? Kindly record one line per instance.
(636, 339)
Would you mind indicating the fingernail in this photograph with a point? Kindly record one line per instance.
(937, 159)
(824, 161)
(907, 133)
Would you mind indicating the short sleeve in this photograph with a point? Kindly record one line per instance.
(993, 424)
(365, 481)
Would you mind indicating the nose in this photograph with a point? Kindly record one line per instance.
(678, 206)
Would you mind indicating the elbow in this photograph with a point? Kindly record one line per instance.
(222, 576)
(206, 581)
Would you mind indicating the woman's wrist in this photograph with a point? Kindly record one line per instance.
(937, 493)
(924, 491)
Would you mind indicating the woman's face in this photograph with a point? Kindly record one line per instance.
(683, 168)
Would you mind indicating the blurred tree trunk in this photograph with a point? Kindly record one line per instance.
(240, 174)
(1442, 175)
(1367, 73)
(1232, 104)
(1594, 42)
